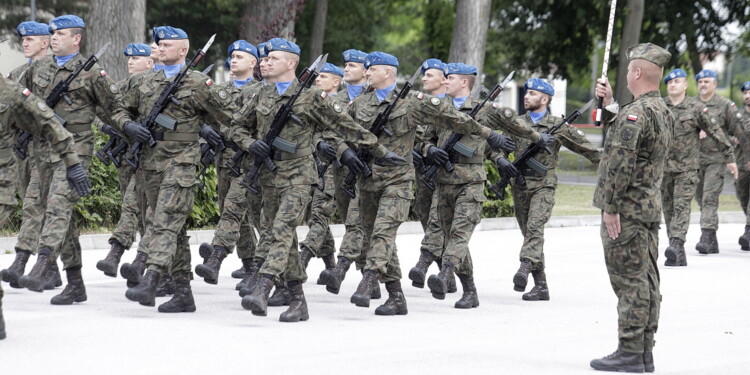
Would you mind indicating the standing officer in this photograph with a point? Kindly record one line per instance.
(742, 184)
(712, 161)
(91, 89)
(534, 193)
(169, 168)
(627, 192)
(35, 39)
(681, 170)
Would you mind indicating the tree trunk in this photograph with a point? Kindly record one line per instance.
(129, 26)
(631, 32)
(692, 49)
(470, 33)
(266, 19)
(318, 30)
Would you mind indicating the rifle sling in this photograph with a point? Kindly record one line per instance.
(302, 152)
(176, 136)
(466, 160)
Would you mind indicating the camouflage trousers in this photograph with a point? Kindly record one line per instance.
(32, 211)
(342, 200)
(677, 191)
(240, 212)
(382, 212)
(707, 194)
(457, 209)
(422, 203)
(8, 178)
(434, 239)
(742, 189)
(283, 211)
(319, 238)
(169, 197)
(130, 218)
(355, 243)
(634, 275)
(533, 209)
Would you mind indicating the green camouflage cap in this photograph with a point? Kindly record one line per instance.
(649, 52)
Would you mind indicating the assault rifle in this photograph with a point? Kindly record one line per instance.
(527, 157)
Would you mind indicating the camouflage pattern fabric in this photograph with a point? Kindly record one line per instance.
(319, 238)
(710, 185)
(458, 209)
(354, 245)
(742, 183)
(677, 191)
(283, 210)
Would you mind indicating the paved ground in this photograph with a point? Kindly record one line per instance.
(704, 324)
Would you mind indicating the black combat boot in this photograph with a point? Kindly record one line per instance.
(209, 270)
(396, 303)
(145, 292)
(745, 239)
(305, 254)
(620, 361)
(702, 245)
(330, 263)
(75, 291)
(16, 269)
(238, 273)
(182, 301)
(675, 253)
(257, 300)
(52, 279)
(376, 291)
(34, 281)
(418, 273)
(109, 264)
(363, 294)
(133, 271)
(297, 307)
(539, 292)
(166, 286)
(281, 295)
(648, 360)
(251, 279)
(521, 278)
(247, 268)
(438, 284)
(713, 242)
(469, 299)
(336, 276)
(205, 250)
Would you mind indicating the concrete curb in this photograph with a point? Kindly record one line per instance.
(100, 241)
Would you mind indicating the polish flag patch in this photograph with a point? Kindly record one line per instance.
(705, 110)
(420, 96)
(209, 82)
(632, 118)
(26, 92)
(102, 73)
(323, 94)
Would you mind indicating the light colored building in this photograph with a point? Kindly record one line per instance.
(10, 57)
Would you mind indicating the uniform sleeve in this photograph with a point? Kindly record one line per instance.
(243, 128)
(506, 119)
(623, 139)
(426, 109)
(216, 101)
(574, 139)
(713, 130)
(126, 108)
(427, 136)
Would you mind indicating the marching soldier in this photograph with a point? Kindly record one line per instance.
(742, 183)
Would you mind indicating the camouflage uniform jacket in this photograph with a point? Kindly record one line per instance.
(88, 91)
(240, 95)
(569, 136)
(633, 160)
(722, 111)
(742, 120)
(689, 119)
(409, 114)
(314, 108)
(199, 99)
(19, 109)
(18, 73)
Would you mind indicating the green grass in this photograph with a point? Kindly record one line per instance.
(577, 200)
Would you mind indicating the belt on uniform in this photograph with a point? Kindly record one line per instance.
(80, 128)
(467, 160)
(176, 137)
(302, 152)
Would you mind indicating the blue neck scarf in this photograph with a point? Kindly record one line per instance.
(537, 116)
(282, 86)
(383, 93)
(354, 91)
(61, 60)
(239, 83)
(459, 102)
(170, 70)
(158, 67)
(441, 96)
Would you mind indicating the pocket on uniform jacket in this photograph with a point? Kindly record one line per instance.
(397, 123)
(628, 254)
(182, 175)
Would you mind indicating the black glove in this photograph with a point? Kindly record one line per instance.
(437, 154)
(208, 155)
(546, 139)
(110, 131)
(507, 169)
(326, 150)
(501, 142)
(260, 148)
(137, 131)
(392, 158)
(211, 136)
(350, 159)
(417, 159)
(78, 179)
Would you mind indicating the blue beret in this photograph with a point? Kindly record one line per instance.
(262, 51)
(281, 44)
(66, 22)
(168, 32)
(32, 28)
(332, 69)
(380, 58)
(433, 64)
(745, 86)
(677, 73)
(354, 55)
(137, 49)
(706, 73)
(244, 46)
(538, 84)
(460, 68)
(228, 62)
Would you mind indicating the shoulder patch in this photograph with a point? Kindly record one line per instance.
(626, 134)
(420, 96)
(507, 113)
(113, 88)
(632, 118)
(209, 82)
(739, 115)
(102, 73)
(42, 107)
(580, 132)
(223, 94)
(435, 100)
(337, 107)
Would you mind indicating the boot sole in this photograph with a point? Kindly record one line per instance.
(417, 278)
(107, 268)
(631, 368)
(143, 300)
(249, 303)
(520, 281)
(186, 309)
(360, 300)
(295, 320)
(79, 299)
(467, 307)
(205, 272)
(403, 311)
(542, 298)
